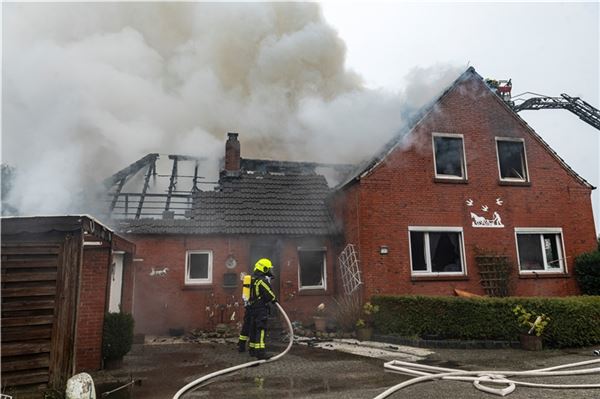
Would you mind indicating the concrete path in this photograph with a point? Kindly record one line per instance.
(313, 372)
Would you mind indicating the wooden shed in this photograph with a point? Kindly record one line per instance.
(59, 276)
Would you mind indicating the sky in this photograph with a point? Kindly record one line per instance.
(89, 88)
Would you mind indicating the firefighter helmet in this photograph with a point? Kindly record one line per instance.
(263, 265)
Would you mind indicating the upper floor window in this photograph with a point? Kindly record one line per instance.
(436, 250)
(198, 267)
(540, 250)
(449, 156)
(312, 273)
(511, 159)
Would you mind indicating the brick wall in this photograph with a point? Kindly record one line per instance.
(92, 304)
(165, 302)
(402, 192)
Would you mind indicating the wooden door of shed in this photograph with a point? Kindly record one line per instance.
(39, 291)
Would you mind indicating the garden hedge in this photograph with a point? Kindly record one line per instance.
(574, 321)
(587, 272)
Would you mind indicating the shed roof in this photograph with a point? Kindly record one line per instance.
(90, 226)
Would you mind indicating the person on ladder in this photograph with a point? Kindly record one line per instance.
(261, 296)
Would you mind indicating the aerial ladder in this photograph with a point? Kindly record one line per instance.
(585, 111)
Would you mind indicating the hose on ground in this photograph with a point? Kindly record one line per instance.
(427, 373)
(218, 373)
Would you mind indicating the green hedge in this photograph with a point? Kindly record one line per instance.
(117, 336)
(587, 272)
(575, 321)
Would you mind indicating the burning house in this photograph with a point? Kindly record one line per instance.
(467, 182)
(190, 262)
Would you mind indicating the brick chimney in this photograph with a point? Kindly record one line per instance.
(232, 154)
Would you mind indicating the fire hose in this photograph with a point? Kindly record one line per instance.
(428, 373)
(196, 383)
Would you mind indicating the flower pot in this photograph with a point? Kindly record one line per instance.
(320, 323)
(221, 328)
(364, 334)
(530, 342)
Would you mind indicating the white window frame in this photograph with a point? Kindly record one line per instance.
(436, 229)
(313, 287)
(562, 260)
(526, 166)
(198, 281)
(464, 156)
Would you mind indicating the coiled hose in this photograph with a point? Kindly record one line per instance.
(207, 377)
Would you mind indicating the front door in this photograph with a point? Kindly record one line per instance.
(271, 249)
(116, 283)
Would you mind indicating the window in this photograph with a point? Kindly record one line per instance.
(511, 159)
(312, 270)
(448, 151)
(198, 267)
(436, 250)
(540, 250)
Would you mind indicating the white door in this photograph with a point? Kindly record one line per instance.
(116, 283)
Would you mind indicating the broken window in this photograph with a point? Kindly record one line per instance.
(540, 251)
(312, 270)
(449, 156)
(436, 251)
(511, 160)
(198, 268)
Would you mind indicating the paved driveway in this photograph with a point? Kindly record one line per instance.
(309, 372)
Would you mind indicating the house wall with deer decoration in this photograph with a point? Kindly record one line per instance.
(469, 177)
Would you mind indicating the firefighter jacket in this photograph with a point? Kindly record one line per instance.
(261, 293)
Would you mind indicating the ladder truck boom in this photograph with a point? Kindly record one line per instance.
(585, 111)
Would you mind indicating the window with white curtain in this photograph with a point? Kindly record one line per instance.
(436, 250)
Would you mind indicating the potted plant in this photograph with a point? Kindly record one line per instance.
(319, 318)
(117, 338)
(364, 325)
(533, 326)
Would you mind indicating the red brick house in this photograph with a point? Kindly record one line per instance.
(189, 270)
(470, 175)
(60, 274)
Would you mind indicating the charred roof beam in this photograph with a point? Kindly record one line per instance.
(151, 171)
(172, 182)
(131, 170)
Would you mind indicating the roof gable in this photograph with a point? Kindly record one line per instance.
(470, 75)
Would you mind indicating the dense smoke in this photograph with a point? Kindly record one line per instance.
(90, 88)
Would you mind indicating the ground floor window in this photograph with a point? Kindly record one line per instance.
(198, 267)
(436, 250)
(540, 250)
(312, 270)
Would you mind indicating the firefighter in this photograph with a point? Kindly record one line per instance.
(261, 296)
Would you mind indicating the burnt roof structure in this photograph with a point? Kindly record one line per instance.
(161, 186)
(252, 203)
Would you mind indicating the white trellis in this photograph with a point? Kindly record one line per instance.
(349, 269)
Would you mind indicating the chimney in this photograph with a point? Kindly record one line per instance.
(232, 155)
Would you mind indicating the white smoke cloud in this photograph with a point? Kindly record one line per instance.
(90, 88)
